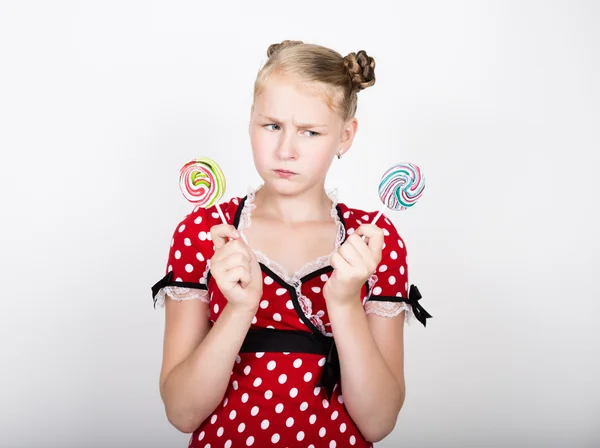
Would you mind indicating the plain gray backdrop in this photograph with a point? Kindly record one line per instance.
(101, 103)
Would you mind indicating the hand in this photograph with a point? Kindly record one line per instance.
(235, 269)
(353, 263)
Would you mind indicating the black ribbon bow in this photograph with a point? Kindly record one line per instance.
(413, 299)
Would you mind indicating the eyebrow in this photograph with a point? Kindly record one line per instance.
(300, 125)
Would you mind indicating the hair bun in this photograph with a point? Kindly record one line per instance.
(361, 69)
(275, 48)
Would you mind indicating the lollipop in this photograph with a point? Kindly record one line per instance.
(400, 187)
(202, 182)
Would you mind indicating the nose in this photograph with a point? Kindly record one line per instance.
(286, 149)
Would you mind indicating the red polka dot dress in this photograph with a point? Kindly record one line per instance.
(285, 389)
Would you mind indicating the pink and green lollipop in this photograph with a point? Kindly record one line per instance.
(400, 187)
(202, 182)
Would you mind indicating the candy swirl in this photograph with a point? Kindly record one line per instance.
(202, 182)
(401, 186)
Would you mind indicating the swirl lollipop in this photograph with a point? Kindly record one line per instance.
(400, 187)
(202, 182)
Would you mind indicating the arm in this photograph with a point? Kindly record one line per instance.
(198, 360)
(371, 353)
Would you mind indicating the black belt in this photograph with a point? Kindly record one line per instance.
(297, 341)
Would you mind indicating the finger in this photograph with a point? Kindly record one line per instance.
(351, 255)
(220, 233)
(239, 274)
(338, 262)
(230, 248)
(233, 261)
(361, 246)
(373, 236)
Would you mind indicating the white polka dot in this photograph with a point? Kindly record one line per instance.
(322, 432)
(235, 385)
(232, 414)
(377, 290)
(254, 411)
(177, 255)
(199, 256)
(282, 378)
(359, 222)
(392, 280)
(181, 228)
(304, 406)
(281, 291)
(220, 431)
(260, 354)
(254, 320)
(300, 436)
(332, 444)
(352, 440)
(325, 403)
(257, 382)
(320, 313)
(198, 220)
(189, 268)
(382, 268)
(178, 279)
(347, 215)
(245, 398)
(334, 415)
(350, 231)
(275, 438)
(343, 428)
(277, 317)
(308, 377)
(386, 232)
(293, 392)
(289, 422)
(316, 289)
(246, 370)
(297, 363)
(238, 359)
(324, 277)
(241, 427)
(172, 241)
(340, 399)
(187, 242)
(317, 391)
(321, 362)
(209, 237)
(279, 408)
(393, 255)
(264, 424)
(271, 327)
(312, 419)
(216, 308)
(250, 441)
(271, 365)
(213, 419)
(170, 268)
(235, 201)
(215, 215)
(202, 235)
(268, 280)
(201, 436)
(401, 270)
(225, 401)
(228, 444)
(286, 353)
(264, 304)
(289, 305)
(365, 217)
(268, 395)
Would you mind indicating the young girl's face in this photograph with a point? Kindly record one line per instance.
(295, 135)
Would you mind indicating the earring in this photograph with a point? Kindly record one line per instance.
(339, 154)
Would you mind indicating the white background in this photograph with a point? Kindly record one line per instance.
(101, 103)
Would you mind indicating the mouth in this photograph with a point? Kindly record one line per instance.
(284, 173)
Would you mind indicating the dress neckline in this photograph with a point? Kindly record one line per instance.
(323, 261)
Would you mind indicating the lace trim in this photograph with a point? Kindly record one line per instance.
(280, 271)
(179, 293)
(390, 309)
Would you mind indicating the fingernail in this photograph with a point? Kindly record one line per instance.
(236, 233)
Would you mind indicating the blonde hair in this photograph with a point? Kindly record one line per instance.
(342, 77)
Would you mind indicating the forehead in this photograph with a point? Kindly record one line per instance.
(286, 96)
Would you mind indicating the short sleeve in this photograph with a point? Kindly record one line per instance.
(389, 292)
(187, 263)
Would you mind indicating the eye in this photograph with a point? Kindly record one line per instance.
(313, 133)
(272, 124)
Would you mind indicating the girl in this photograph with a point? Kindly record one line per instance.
(256, 304)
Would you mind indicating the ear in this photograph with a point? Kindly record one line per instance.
(348, 133)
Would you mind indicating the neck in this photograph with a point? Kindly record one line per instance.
(310, 205)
